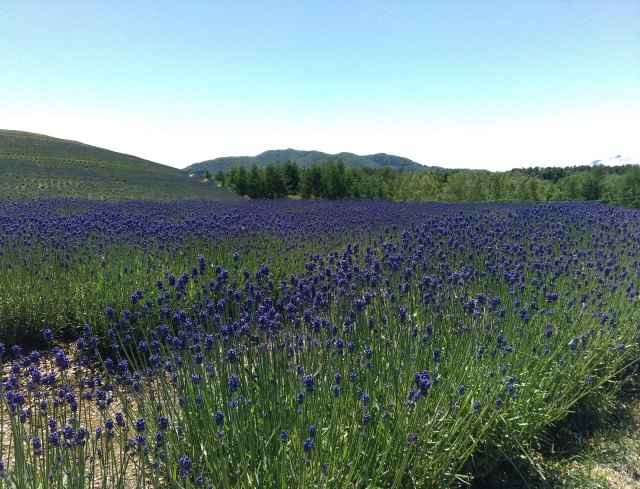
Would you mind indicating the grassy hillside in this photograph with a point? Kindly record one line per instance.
(305, 159)
(37, 166)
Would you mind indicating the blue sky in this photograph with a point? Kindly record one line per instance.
(494, 85)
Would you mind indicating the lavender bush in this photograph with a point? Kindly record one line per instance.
(298, 344)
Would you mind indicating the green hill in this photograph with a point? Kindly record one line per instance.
(305, 159)
(37, 166)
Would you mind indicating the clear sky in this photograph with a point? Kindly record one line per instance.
(475, 84)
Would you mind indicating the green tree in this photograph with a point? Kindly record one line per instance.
(333, 175)
(274, 182)
(455, 189)
(291, 174)
(570, 186)
(312, 182)
(592, 186)
(255, 182)
(240, 181)
(631, 181)
(354, 183)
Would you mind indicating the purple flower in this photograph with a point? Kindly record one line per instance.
(61, 358)
(308, 382)
(120, 420)
(54, 439)
(308, 445)
(37, 445)
(184, 466)
(219, 418)
(48, 335)
(436, 354)
(233, 383)
(232, 356)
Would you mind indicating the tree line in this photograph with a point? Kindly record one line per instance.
(332, 180)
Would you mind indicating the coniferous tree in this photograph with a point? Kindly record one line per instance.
(335, 184)
(312, 182)
(332, 180)
(291, 174)
(274, 182)
(241, 181)
(255, 187)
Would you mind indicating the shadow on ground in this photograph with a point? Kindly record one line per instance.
(597, 446)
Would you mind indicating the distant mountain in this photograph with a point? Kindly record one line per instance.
(622, 160)
(616, 160)
(37, 166)
(305, 159)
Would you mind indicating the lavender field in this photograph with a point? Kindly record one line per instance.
(279, 344)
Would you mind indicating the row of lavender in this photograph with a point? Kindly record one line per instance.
(297, 344)
(70, 253)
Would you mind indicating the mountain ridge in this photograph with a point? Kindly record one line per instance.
(306, 158)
